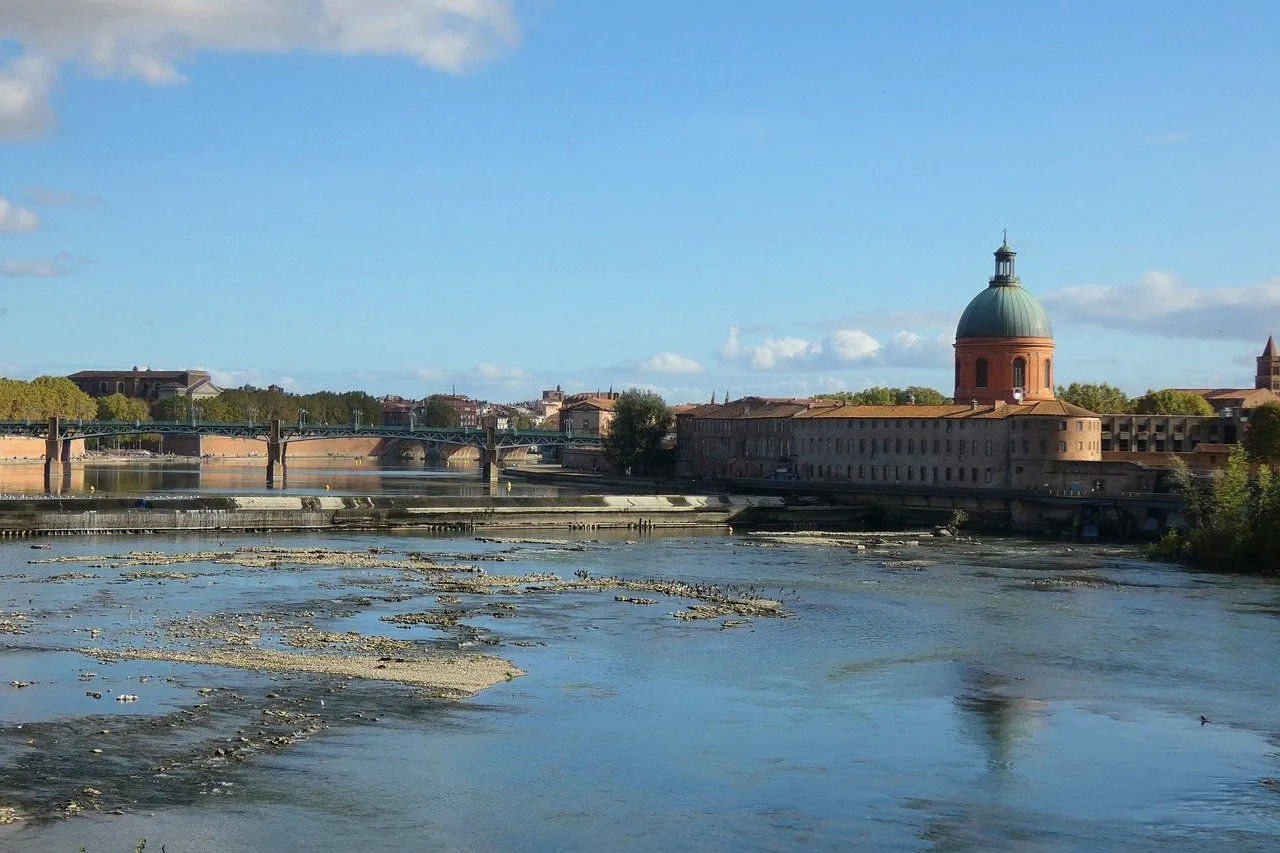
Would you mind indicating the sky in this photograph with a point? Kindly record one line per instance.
(501, 196)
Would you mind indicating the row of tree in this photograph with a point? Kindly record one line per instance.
(1106, 399)
(260, 404)
(43, 398)
(885, 396)
(48, 396)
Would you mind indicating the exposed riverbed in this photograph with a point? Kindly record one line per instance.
(407, 692)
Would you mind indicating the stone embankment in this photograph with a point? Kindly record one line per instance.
(53, 516)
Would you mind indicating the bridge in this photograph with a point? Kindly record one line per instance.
(58, 435)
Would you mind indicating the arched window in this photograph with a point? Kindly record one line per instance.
(981, 373)
(1048, 374)
(1019, 373)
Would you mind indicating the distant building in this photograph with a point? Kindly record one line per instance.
(146, 384)
(590, 415)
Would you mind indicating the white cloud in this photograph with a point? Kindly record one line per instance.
(1163, 304)
(431, 374)
(663, 362)
(852, 345)
(769, 354)
(497, 373)
(61, 264)
(149, 39)
(840, 348)
(15, 218)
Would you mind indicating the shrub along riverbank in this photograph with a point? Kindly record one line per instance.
(1233, 519)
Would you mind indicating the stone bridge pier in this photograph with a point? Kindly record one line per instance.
(276, 448)
(57, 458)
(489, 467)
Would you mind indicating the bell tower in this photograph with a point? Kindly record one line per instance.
(1268, 368)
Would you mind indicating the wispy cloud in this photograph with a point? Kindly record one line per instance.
(663, 362)
(128, 39)
(1163, 304)
(47, 197)
(13, 217)
(58, 265)
(497, 373)
(839, 348)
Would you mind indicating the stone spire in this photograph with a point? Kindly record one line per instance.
(1268, 367)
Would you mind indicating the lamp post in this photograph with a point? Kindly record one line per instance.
(355, 416)
(302, 416)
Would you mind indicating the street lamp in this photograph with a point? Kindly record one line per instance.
(302, 416)
(355, 414)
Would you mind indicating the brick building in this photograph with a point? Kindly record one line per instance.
(146, 384)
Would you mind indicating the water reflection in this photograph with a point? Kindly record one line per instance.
(341, 478)
(996, 716)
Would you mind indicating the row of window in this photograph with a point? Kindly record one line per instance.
(900, 473)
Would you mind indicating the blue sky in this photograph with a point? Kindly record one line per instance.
(404, 196)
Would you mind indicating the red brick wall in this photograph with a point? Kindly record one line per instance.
(21, 447)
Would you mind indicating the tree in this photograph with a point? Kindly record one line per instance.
(1097, 397)
(886, 396)
(435, 412)
(1171, 402)
(1262, 438)
(641, 420)
(118, 407)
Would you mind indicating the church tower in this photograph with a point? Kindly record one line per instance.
(1004, 342)
(1268, 368)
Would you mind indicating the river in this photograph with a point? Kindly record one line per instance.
(986, 695)
(306, 476)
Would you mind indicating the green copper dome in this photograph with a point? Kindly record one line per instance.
(1004, 309)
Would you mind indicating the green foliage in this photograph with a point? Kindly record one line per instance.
(1233, 520)
(1171, 402)
(641, 420)
(118, 407)
(886, 396)
(262, 404)
(42, 398)
(436, 412)
(1262, 438)
(1097, 397)
(1168, 546)
(958, 519)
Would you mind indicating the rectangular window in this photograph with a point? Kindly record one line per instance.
(987, 476)
(886, 445)
(960, 471)
(897, 445)
(1062, 447)
(935, 475)
(923, 471)
(897, 472)
(1062, 425)
(1026, 447)
(935, 446)
(862, 445)
(861, 474)
(974, 472)
(987, 448)
(873, 472)
(948, 475)
(948, 446)
(911, 444)
(884, 472)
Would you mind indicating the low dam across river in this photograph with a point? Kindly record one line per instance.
(53, 516)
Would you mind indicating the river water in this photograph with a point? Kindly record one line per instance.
(977, 695)
(306, 476)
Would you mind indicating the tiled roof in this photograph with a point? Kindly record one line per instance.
(1047, 408)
